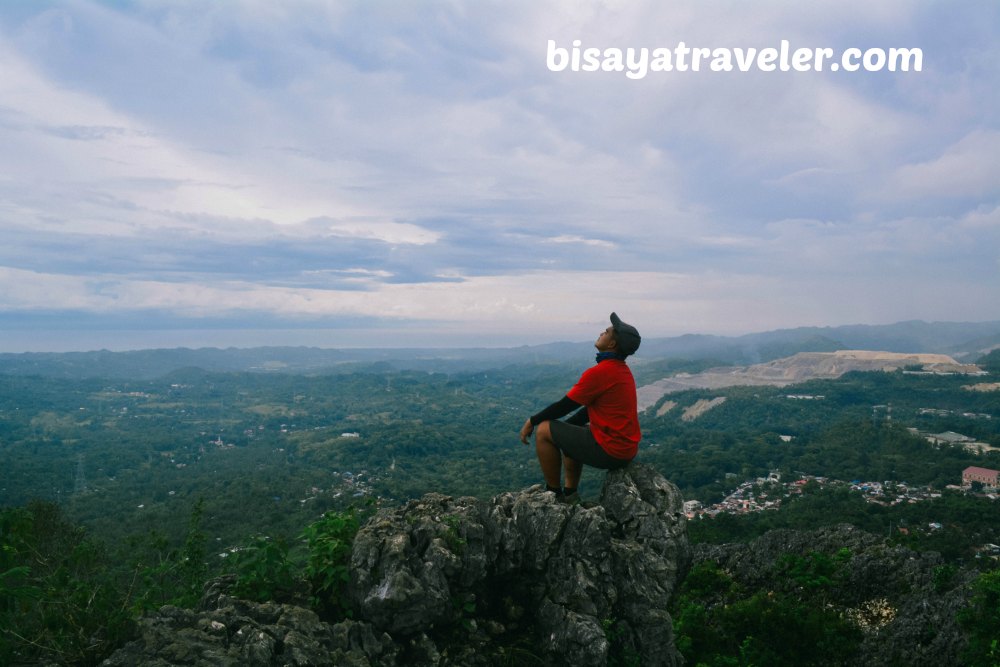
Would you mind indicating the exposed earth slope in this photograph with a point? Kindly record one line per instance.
(799, 368)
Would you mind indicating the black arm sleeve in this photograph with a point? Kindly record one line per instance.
(560, 408)
(581, 418)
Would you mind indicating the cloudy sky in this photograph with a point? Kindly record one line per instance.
(367, 173)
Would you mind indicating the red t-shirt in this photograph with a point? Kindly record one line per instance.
(608, 391)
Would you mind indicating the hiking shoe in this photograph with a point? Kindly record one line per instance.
(570, 499)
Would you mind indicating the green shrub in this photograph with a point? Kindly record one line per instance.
(981, 621)
(719, 623)
(264, 570)
(329, 542)
(164, 574)
(59, 602)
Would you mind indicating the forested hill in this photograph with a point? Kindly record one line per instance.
(964, 341)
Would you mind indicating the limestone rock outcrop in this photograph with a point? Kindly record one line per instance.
(519, 579)
(909, 600)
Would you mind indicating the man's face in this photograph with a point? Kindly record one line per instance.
(606, 341)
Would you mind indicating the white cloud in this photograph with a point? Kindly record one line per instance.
(967, 168)
(383, 230)
(985, 217)
(569, 238)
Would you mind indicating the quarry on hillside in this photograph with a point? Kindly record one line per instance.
(983, 386)
(799, 368)
(701, 407)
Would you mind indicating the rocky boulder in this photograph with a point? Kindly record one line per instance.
(228, 632)
(519, 579)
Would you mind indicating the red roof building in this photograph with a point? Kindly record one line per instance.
(984, 476)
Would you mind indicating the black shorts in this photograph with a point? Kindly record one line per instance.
(577, 442)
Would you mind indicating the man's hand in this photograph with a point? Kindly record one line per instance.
(526, 431)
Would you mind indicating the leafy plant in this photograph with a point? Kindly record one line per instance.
(464, 607)
(621, 652)
(981, 620)
(943, 576)
(58, 603)
(171, 575)
(721, 624)
(814, 573)
(452, 537)
(264, 570)
(329, 543)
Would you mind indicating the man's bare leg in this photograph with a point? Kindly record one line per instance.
(549, 456)
(573, 471)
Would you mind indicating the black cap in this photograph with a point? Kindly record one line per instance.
(626, 335)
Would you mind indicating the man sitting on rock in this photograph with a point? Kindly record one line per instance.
(605, 432)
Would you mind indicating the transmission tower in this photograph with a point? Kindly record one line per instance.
(80, 482)
(887, 411)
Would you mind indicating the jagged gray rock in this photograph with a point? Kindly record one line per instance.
(581, 581)
(225, 631)
(917, 596)
(519, 579)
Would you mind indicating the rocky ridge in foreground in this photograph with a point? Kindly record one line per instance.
(519, 579)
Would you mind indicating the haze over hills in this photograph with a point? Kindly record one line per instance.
(964, 341)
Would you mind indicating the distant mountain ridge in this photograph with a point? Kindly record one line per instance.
(962, 340)
(965, 341)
